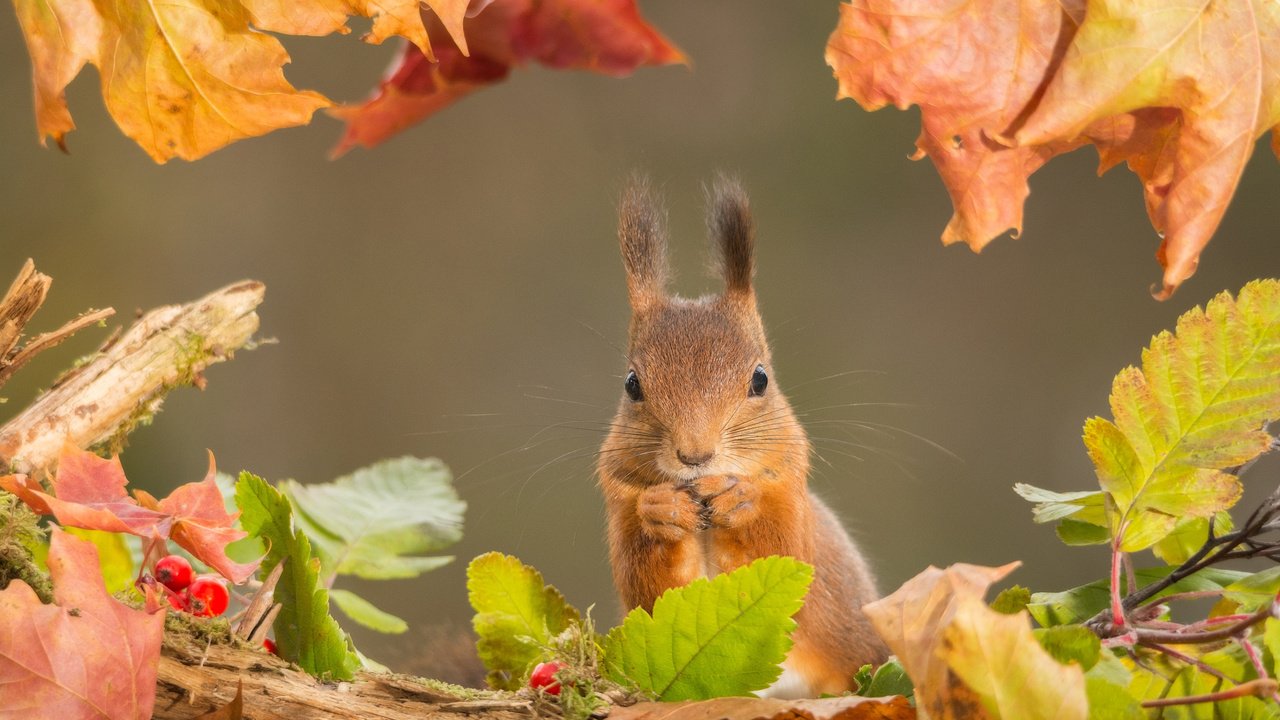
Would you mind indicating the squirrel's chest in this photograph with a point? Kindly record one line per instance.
(716, 551)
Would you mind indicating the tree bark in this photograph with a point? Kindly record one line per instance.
(126, 381)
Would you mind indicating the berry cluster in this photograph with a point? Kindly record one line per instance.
(200, 595)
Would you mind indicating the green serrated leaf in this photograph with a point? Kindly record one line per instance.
(1070, 643)
(305, 631)
(113, 557)
(889, 679)
(1012, 600)
(1107, 687)
(1074, 532)
(1188, 536)
(1078, 604)
(712, 638)
(375, 522)
(366, 613)
(1196, 408)
(517, 616)
(1255, 591)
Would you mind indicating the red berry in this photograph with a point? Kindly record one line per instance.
(179, 600)
(173, 571)
(209, 596)
(269, 645)
(544, 676)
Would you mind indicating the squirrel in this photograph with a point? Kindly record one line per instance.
(705, 467)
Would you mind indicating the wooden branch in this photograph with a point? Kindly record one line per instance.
(25, 296)
(195, 678)
(126, 381)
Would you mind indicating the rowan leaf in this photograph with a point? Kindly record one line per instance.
(967, 660)
(374, 522)
(305, 631)
(604, 36)
(517, 616)
(89, 493)
(181, 79)
(86, 655)
(712, 638)
(1196, 409)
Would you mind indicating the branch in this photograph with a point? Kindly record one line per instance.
(25, 296)
(126, 381)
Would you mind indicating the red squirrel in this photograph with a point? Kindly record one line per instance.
(706, 467)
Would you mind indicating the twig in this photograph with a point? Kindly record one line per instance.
(1206, 636)
(25, 296)
(1204, 667)
(1261, 687)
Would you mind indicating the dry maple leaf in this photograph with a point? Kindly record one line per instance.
(835, 708)
(1215, 61)
(390, 17)
(182, 79)
(87, 655)
(604, 36)
(1179, 92)
(89, 492)
(967, 659)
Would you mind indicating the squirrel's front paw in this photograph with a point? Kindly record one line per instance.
(667, 513)
(728, 501)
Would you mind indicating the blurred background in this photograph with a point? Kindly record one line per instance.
(456, 293)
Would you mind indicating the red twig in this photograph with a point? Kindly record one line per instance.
(1261, 687)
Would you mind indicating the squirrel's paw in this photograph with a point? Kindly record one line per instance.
(667, 513)
(727, 501)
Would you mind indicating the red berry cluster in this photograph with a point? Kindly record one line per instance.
(200, 595)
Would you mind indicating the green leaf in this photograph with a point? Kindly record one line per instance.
(305, 632)
(1011, 601)
(517, 616)
(712, 638)
(366, 613)
(889, 679)
(1074, 532)
(1189, 536)
(1255, 591)
(246, 549)
(1083, 506)
(1197, 408)
(375, 522)
(113, 557)
(1078, 604)
(1107, 687)
(1070, 643)
(1271, 643)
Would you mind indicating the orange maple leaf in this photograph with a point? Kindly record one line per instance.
(1178, 93)
(89, 492)
(604, 36)
(87, 655)
(390, 17)
(1216, 62)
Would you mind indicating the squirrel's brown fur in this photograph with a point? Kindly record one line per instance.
(699, 475)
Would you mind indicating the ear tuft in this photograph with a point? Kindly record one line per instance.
(732, 234)
(642, 236)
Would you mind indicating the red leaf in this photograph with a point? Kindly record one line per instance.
(88, 655)
(90, 493)
(604, 36)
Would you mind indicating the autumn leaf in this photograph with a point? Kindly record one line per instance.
(181, 79)
(969, 661)
(604, 36)
(1218, 63)
(834, 708)
(1179, 93)
(390, 17)
(89, 492)
(87, 655)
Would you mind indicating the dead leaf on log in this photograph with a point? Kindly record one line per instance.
(750, 708)
(233, 710)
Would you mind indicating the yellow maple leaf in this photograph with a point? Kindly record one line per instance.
(390, 17)
(181, 78)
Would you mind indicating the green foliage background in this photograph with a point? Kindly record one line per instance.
(457, 291)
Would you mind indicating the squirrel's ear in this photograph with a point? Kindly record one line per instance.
(643, 237)
(732, 235)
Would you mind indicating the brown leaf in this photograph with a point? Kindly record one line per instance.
(743, 708)
(87, 655)
(969, 661)
(233, 710)
(182, 79)
(604, 36)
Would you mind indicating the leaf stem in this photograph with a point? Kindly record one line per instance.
(1206, 636)
(1261, 687)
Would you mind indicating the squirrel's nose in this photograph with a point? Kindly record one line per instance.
(694, 458)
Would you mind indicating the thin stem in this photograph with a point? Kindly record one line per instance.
(1186, 659)
(1261, 687)
(1206, 636)
(1117, 606)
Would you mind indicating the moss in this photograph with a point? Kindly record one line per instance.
(19, 533)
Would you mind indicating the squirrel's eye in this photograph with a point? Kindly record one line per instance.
(632, 386)
(759, 381)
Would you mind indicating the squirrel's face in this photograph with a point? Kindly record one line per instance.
(698, 396)
(698, 399)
